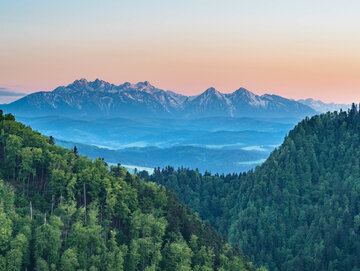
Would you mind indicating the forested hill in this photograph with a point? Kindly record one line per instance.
(62, 211)
(300, 210)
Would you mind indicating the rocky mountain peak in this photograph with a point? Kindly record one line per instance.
(81, 83)
(243, 91)
(99, 97)
(212, 92)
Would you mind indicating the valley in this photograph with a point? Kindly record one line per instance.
(214, 135)
(218, 144)
(148, 127)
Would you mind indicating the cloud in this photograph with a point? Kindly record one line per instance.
(6, 92)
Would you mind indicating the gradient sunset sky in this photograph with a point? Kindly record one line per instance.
(296, 49)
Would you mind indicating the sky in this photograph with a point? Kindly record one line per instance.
(296, 49)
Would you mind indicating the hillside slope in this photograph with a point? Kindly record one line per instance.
(63, 211)
(299, 210)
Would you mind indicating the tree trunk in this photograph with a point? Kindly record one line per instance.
(52, 205)
(28, 185)
(42, 176)
(101, 212)
(31, 211)
(85, 200)
(23, 186)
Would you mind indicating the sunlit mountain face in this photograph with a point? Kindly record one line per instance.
(100, 98)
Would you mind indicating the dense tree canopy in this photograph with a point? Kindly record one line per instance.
(63, 211)
(300, 210)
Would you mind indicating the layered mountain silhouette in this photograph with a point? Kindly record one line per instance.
(100, 98)
(322, 107)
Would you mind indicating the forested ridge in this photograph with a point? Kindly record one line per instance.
(299, 210)
(63, 211)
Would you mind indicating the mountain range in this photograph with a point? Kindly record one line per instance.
(322, 107)
(100, 98)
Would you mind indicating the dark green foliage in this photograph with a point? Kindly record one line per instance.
(300, 210)
(63, 211)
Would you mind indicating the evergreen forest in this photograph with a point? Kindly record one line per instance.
(299, 210)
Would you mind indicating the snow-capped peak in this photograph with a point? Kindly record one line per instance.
(242, 95)
(143, 96)
(212, 92)
(79, 83)
(83, 84)
(322, 107)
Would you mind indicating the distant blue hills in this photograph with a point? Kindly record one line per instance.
(143, 126)
(216, 144)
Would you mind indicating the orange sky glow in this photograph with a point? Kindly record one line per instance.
(283, 49)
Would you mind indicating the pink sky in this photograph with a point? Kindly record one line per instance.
(297, 50)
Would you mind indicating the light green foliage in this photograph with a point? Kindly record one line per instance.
(147, 235)
(41, 265)
(12, 149)
(2, 263)
(178, 256)
(5, 230)
(18, 249)
(6, 224)
(126, 224)
(48, 241)
(115, 254)
(69, 261)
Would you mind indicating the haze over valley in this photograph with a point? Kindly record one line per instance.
(210, 135)
(142, 126)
